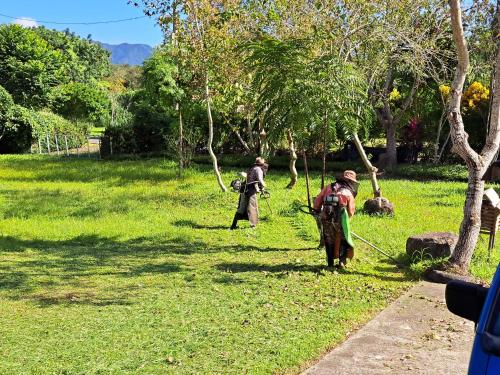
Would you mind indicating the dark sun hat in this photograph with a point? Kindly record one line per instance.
(349, 176)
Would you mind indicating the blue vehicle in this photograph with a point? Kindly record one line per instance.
(482, 306)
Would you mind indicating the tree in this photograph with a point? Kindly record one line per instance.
(206, 31)
(81, 102)
(477, 163)
(29, 66)
(84, 60)
(6, 105)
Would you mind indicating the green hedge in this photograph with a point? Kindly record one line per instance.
(450, 172)
(447, 172)
(281, 162)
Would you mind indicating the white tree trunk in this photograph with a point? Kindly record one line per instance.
(293, 159)
(477, 164)
(250, 133)
(442, 119)
(242, 141)
(181, 138)
(372, 171)
(211, 138)
(263, 145)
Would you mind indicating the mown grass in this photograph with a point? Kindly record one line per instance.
(97, 131)
(115, 267)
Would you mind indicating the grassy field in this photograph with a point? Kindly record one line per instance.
(119, 267)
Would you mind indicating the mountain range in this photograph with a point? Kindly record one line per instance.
(130, 54)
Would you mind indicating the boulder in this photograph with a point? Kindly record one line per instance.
(434, 245)
(378, 206)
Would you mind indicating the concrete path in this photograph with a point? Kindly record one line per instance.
(415, 335)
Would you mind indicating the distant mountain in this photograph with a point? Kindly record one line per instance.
(131, 54)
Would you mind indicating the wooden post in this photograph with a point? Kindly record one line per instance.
(39, 145)
(88, 146)
(66, 143)
(111, 145)
(307, 181)
(57, 144)
(99, 145)
(48, 143)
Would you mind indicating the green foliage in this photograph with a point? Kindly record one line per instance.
(79, 101)
(84, 60)
(49, 123)
(24, 126)
(29, 66)
(123, 78)
(6, 102)
(297, 90)
(32, 61)
(17, 136)
(159, 81)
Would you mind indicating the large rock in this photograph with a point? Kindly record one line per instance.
(378, 206)
(435, 245)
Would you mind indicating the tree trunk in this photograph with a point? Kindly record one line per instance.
(293, 159)
(242, 141)
(263, 146)
(211, 138)
(436, 157)
(391, 158)
(250, 133)
(325, 149)
(443, 147)
(471, 223)
(477, 164)
(181, 137)
(372, 171)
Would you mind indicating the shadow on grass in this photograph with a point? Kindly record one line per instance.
(194, 225)
(56, 264)
(272, 268)
(284, 269)
(78, 298)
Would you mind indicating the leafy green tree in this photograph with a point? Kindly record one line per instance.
(29, 66)
(6, 106)
(79, 101)
(84, 60)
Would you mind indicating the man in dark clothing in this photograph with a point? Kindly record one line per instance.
(248, 207)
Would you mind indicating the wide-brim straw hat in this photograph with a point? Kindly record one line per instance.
(260, 161)
(349, 176)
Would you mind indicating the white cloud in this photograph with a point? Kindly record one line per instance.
(25, 22)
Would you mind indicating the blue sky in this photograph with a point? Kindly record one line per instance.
(136, 31)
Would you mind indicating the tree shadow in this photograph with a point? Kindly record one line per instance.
(284, 269)
(78, 298)
(192, 224)
(271, 268)
(62, 264)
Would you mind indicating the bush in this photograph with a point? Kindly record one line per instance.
(48, 123)
(16, 130)
(6, 102)
(146, 132)
(23, 127)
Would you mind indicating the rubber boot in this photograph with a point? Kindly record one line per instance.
(329, 255)
(235, 221)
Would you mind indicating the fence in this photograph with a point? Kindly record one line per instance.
(70, 145)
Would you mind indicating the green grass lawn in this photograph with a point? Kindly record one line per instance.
(116, 267)
(96, 130)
